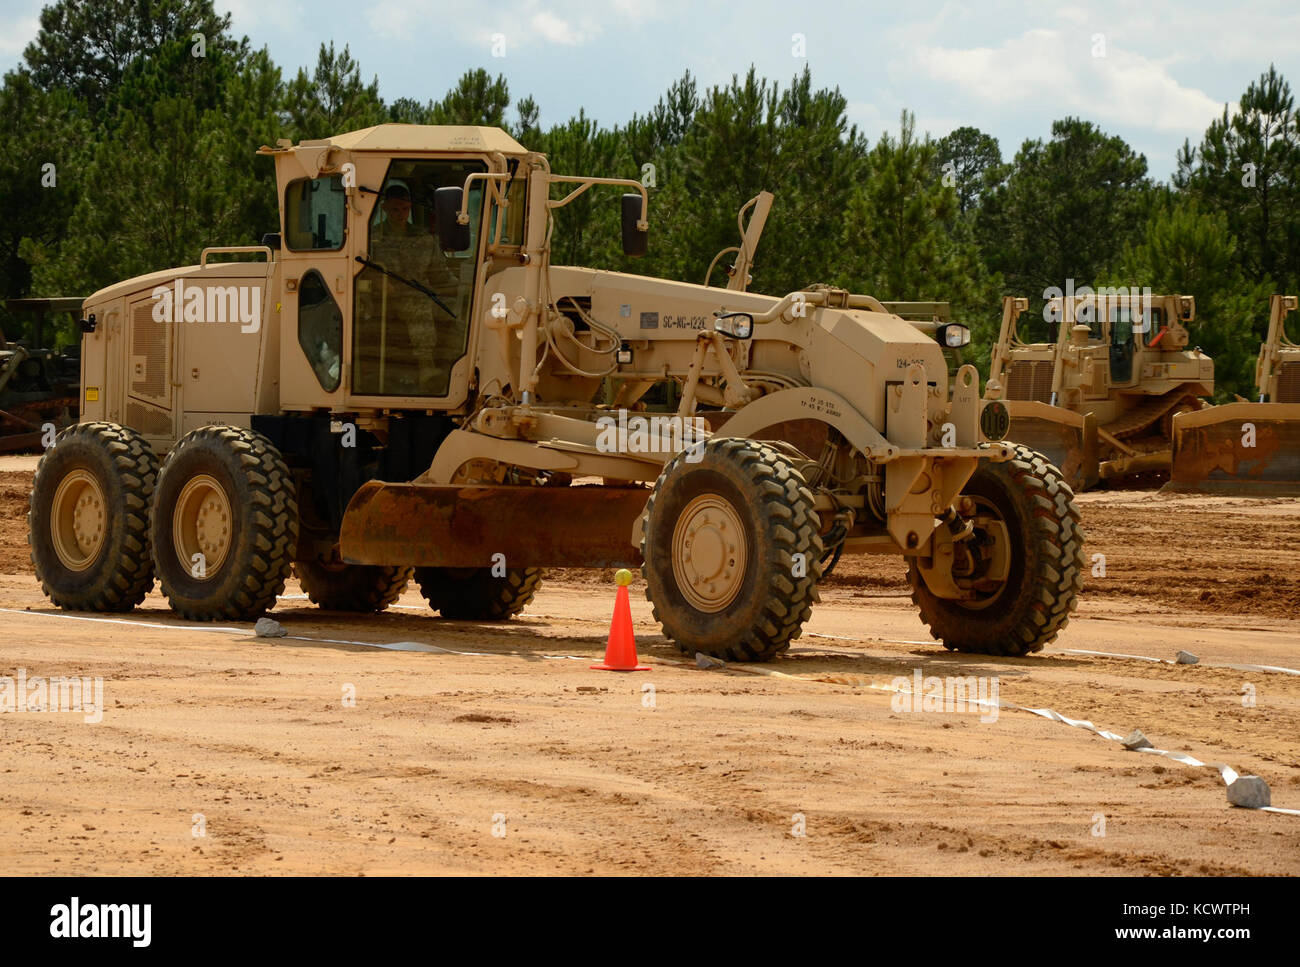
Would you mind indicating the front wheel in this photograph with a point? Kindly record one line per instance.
(224, 524)
(732, 549)
(1023, 612)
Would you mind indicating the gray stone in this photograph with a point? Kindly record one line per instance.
(1185, 658)
(1136, 740)
(1249, 791)
(708, 661)
(268, 628)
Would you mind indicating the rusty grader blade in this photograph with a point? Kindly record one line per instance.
(465, 526)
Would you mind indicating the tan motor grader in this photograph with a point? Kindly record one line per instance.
(402, 387)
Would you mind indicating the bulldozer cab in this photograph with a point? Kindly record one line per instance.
(1099, 396)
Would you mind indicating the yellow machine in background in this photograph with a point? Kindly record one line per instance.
(1248, 447)
(1100, 398)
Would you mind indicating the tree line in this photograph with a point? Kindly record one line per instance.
(131, 128)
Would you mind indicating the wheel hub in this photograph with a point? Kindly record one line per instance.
(710, 553)
(973, 562)
(77, 520)
(201, 524)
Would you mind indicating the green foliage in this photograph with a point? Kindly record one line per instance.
(476, 99)
(333, 99)
(1185, 251)
(1248, 168)
(89, 48)
(973, 161)
(1067, 207)
(42, 128)
(155, 154)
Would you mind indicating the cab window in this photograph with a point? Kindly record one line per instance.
(1121, 325)
(315, 214)
(320, 329)
(512, 232)
(412, 299)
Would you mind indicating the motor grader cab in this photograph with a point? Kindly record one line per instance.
(1098, 394)
(1248, 447)
(415, 401)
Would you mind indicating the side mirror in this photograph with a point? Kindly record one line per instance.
(953, 335)
(738, 325)
(634, 239)
(452, 236)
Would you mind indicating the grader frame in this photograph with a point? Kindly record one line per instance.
(432, 413)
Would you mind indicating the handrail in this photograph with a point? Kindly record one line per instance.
(234, 249)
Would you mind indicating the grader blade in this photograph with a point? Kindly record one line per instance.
(465, 526)
(1066, 438)
(1237, 448)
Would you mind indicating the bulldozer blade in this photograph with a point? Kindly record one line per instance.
(467, 526)
(1066, 438)
(1237, 448)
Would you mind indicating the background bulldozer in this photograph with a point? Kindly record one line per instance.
(38, 386)
(400, 386)
(1100, 394)
(1248, 447)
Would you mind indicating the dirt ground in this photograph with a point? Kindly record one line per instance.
(497, 750)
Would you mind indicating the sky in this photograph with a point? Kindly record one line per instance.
(1154, 73)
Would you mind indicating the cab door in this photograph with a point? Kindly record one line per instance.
(1121, 345)
(315, 293)
(409, 344)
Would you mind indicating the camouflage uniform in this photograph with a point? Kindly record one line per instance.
(414, 320)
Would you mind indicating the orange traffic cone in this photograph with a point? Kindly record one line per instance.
(620, 653)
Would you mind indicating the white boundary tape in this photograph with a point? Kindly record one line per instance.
(1170, 661)
(249, 633)
(1227, 773)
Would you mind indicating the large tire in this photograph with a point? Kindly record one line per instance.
(475, 594)
(225, 497)
(88, 526)
(351, 587)
(1046, 566)
(741, 600)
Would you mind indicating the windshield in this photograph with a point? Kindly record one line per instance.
(413, 300)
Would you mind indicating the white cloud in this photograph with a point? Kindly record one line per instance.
(557, 30)
(253, 16)
(16, 34)
(1055, 70)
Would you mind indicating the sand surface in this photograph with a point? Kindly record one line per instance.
(505, 730)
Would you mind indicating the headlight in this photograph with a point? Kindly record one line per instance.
(953, 335)
(739, 325)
